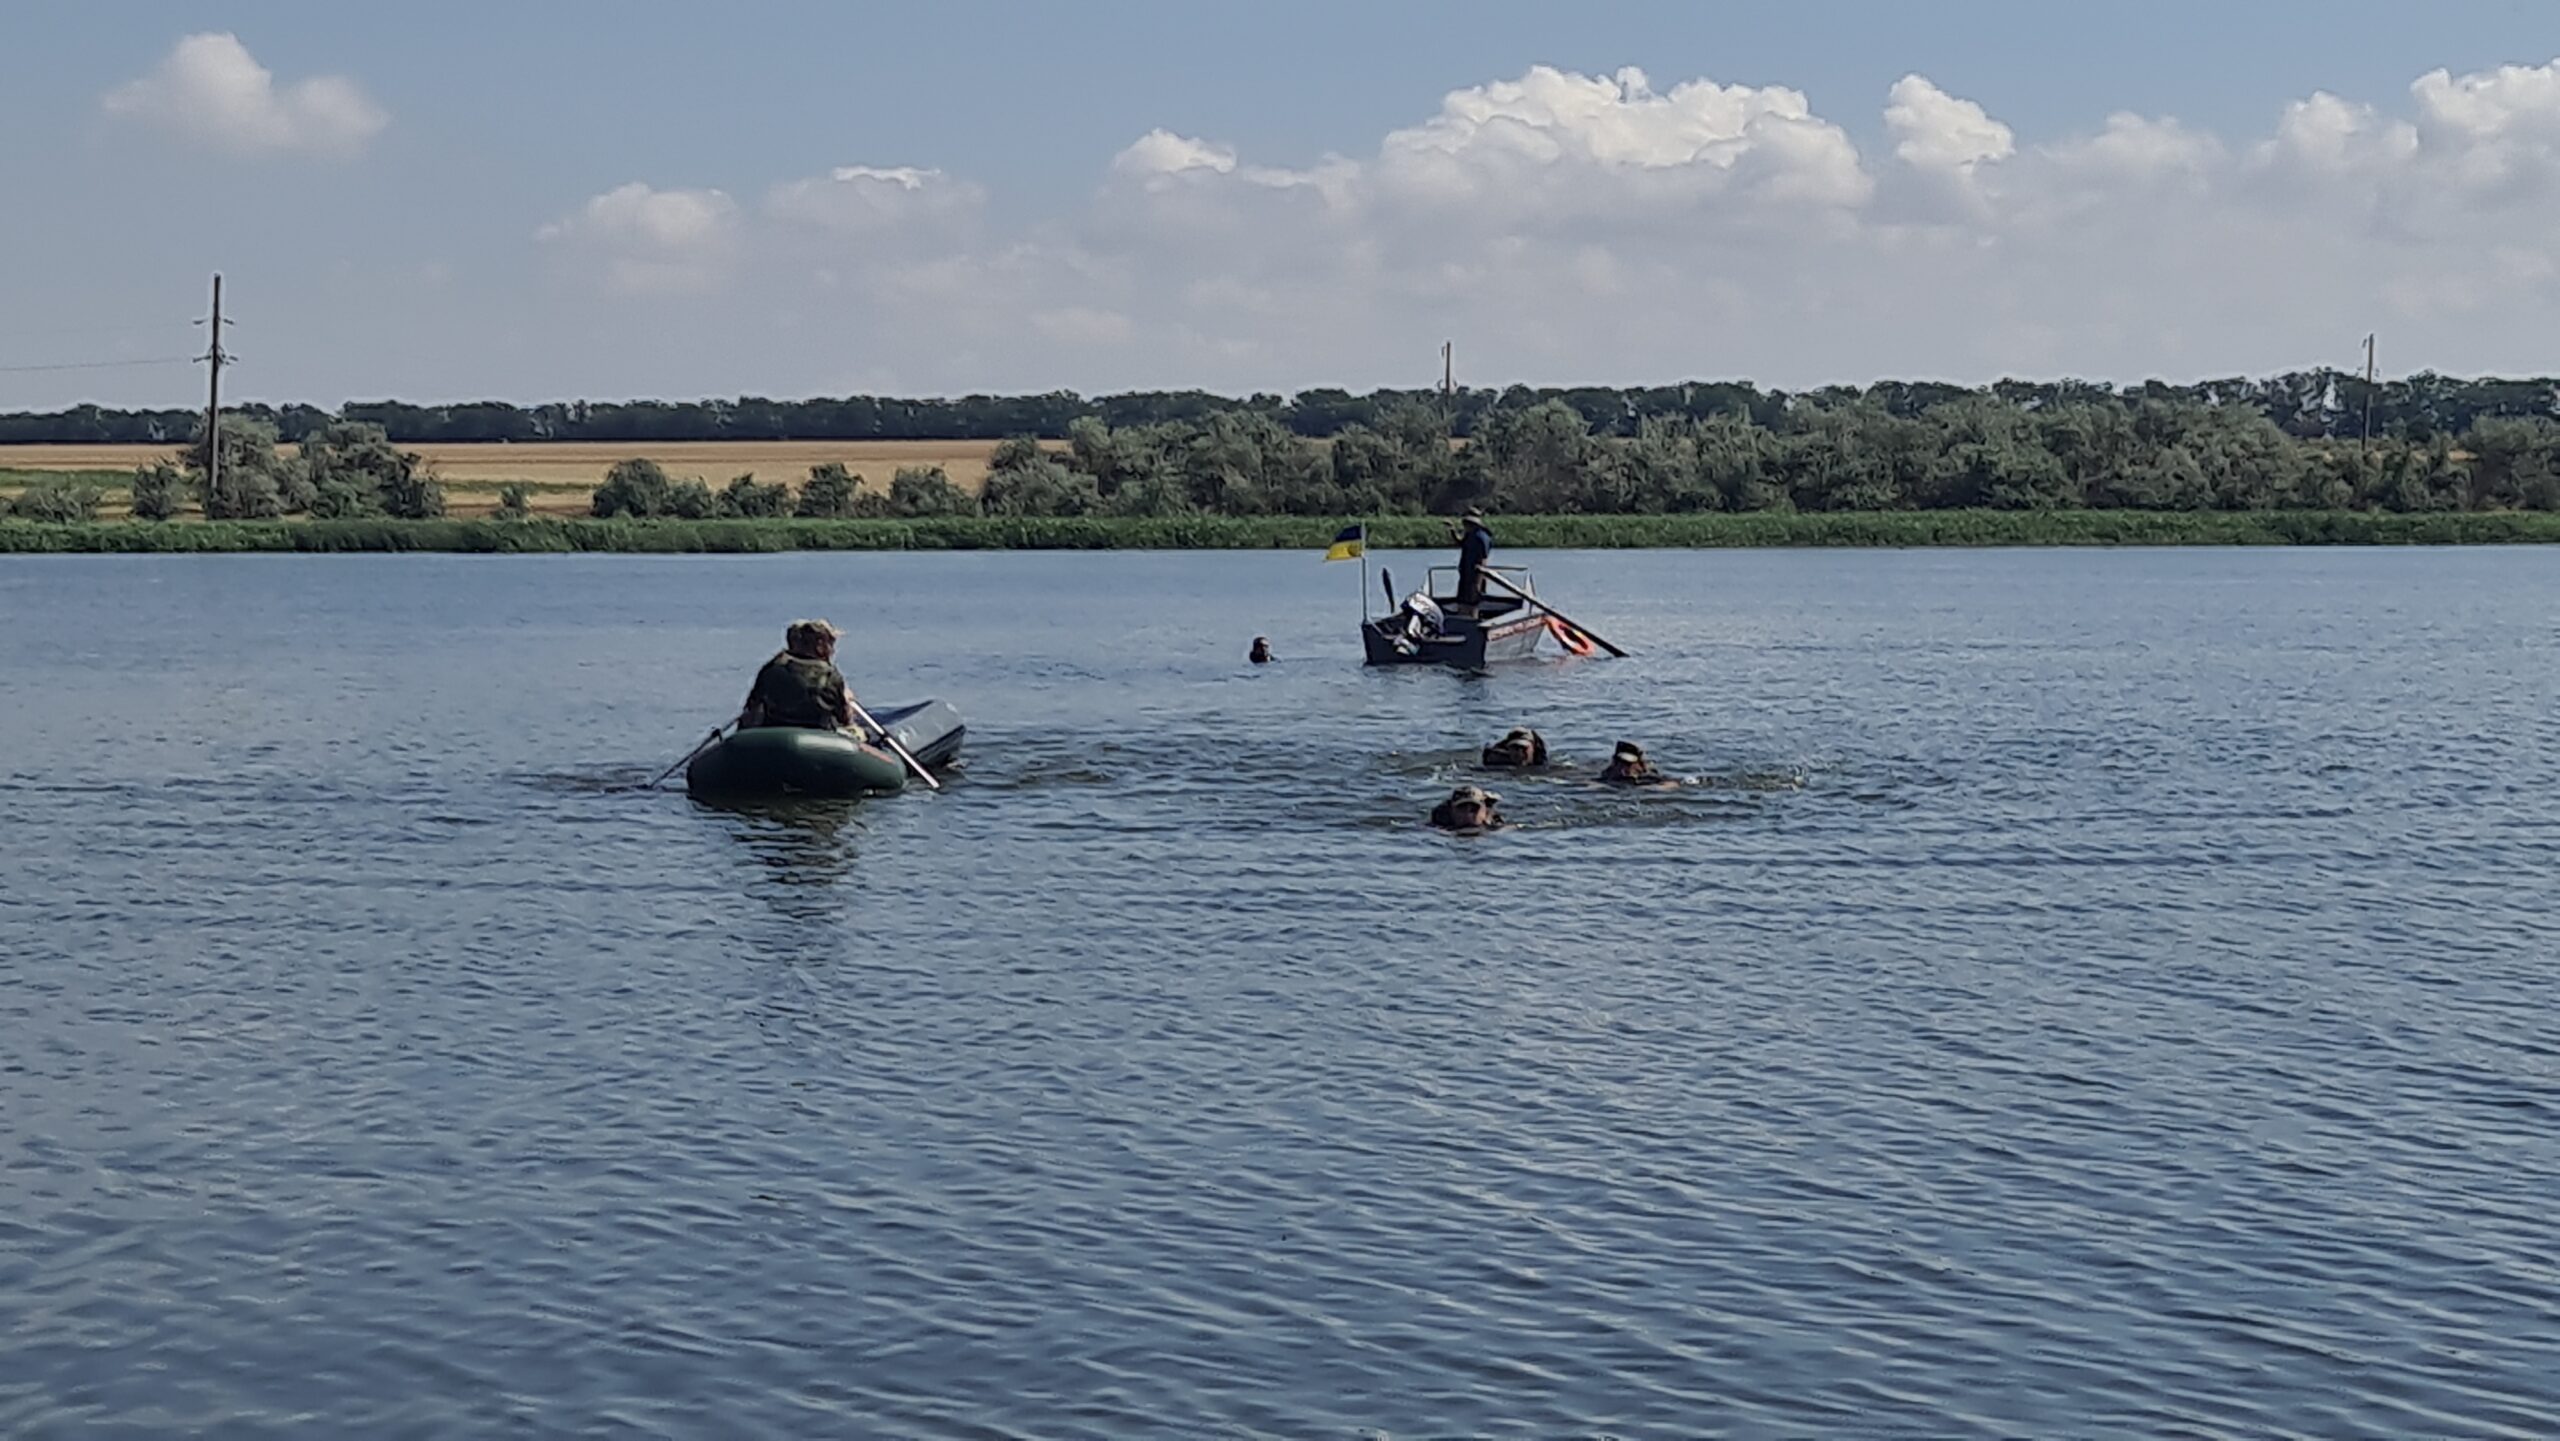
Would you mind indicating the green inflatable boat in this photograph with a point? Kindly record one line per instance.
(778, 762)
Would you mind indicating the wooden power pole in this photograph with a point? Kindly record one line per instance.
(1448, 377)
(215, 357)
(2365, 441)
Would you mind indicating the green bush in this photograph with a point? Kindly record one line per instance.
(244, 486)
(57, 500)
(745, 499)
(515, 502)
(692, 500)
(831, 492)
(922, 490)
(1039, 486)
(636, 487)
(158, 490)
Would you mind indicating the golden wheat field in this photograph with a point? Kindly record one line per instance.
(562, 473)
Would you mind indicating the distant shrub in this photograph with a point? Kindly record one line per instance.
(57, 500)
(344, 497)
(1039, 487)
(243, 486)
(633, 488)
(515, 502)
(158, 491)
(692, 500)
(831, 492)
(746, 499)
(921, 490)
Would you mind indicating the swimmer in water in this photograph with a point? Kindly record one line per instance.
(1469, 810)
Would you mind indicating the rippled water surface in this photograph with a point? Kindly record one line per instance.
(2080, 993)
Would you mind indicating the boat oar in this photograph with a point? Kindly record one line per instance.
(1493, 576)
(891, 742)
(688, 757)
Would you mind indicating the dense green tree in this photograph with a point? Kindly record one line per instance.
(1039, 486)
(244, 486)
(830, 492)
(923, 490)
(57, 498)
(637, 488)
(158, 490)
(746, 498)
(352, 468)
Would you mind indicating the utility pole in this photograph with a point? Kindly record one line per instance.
(1448, 383)
(216, 357)
(2366, 442)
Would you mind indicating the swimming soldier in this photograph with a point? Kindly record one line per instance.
(1468, 810)
(1520, 749)
(1261, 652)
(1628, 767)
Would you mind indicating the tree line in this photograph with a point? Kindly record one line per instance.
(1837, 454)
(2166, 454)
(2307, 405)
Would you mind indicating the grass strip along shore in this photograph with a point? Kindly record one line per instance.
(1956, 528)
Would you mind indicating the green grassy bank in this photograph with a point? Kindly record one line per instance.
(1846, 528)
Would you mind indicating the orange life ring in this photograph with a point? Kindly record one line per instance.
(1566, 636)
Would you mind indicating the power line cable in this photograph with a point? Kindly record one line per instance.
(99, 364)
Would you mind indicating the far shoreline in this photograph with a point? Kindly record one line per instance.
(1930, 529)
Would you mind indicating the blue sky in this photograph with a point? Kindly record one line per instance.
(567, 199)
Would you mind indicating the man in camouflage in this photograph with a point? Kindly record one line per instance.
(801, 686)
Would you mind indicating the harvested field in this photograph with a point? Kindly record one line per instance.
(561, 475)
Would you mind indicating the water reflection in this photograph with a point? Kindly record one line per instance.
(802, 848)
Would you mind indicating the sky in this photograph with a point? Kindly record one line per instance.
(581, 199)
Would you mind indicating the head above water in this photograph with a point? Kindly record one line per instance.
(1628, 753)
(811, 639)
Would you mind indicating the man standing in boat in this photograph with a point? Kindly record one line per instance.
(1475, 555)
(801, 686)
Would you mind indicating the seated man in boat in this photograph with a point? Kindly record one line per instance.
(1468, 809)
(1628, 767)
(1520, 749)
(801, 686)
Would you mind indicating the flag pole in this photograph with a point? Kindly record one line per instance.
(1364, 572)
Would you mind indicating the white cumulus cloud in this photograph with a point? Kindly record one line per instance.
(872, 200)
(1579, 227)
(653, 241)
(212, 92)
(1936, 131)
(1161, 152)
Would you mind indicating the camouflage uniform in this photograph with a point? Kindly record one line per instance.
(794, 690)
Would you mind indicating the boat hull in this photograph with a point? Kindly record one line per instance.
(1463, 643)
(778, 762)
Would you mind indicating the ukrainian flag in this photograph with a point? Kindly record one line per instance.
(1351, 544)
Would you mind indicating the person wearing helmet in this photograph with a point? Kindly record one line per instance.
(1520, 749)
(1628, 767)
(1469, 810)
(801, 686)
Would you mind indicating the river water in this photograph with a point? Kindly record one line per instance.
(2077, 993)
